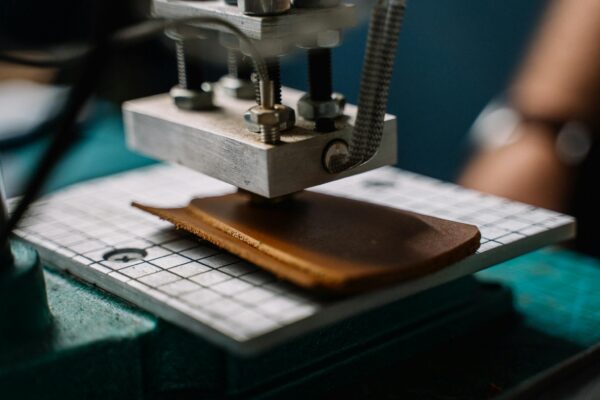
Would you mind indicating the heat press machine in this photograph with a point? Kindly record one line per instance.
(178, 317)
(260, 136)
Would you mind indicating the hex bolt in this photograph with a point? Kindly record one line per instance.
(269, 118)
(191, 93)
(236, 65)
(190, 76)
(237, 83)
(320, 104)
(269, 122)
(320, 83)
(311, 110)
(263, 118)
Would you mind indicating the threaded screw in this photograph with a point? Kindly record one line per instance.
(191, 92)
(268, 96)
(237, 67)
(320, 81)
(269, 135)
(190, 76)
(274, 69)
(256, 81)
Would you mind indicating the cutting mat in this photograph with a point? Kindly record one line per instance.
(91, 230)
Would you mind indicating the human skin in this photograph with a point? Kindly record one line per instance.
(527, 170)
(559, 81)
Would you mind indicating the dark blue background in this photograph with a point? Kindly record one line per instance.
(453, 57)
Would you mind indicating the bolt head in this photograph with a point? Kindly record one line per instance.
(237, 88)
(193, 100)
(288, 117)
(312, 110)
(280, 117)
(263, 116)
(336, 152)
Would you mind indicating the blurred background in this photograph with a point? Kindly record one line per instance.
(453, 58)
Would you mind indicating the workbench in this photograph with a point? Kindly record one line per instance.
(557, 314)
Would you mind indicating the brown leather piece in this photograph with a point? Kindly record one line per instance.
(325, 242)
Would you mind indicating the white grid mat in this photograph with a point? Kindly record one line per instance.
(230, 301)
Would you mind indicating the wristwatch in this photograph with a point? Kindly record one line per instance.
(497, 126)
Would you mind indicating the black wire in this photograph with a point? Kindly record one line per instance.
(93, 64)
(138, 33)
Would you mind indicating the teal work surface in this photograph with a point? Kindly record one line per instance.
(558, 314)
(100, 347)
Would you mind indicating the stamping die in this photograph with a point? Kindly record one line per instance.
(216, 129)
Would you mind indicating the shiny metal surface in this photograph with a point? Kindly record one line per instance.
(218, 144)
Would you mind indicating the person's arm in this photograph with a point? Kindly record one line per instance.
(558, 82)
(527, 170)
(560, 78)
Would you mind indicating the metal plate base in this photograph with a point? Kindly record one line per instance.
(218, 144)
(298, 21)
(226, 300)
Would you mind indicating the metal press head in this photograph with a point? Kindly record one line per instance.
(279, 141)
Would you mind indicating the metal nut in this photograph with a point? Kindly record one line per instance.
(193, 100)
(262, 116)
(264, 7)
(288, 117)
(312, 110)
(280, 118)
(237, 88)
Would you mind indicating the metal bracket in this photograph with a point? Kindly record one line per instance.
(298, 22)
(218, 144)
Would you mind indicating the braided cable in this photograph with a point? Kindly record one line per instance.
(181, 67)
(384, 30)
